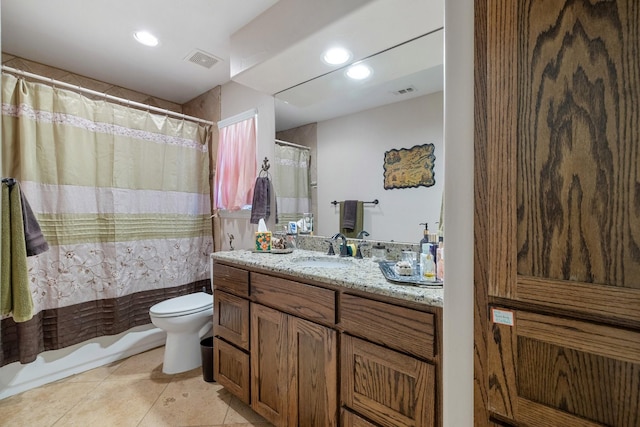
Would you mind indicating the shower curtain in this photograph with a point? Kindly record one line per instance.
(122, 197)
(291, 182)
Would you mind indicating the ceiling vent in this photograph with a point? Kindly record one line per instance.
(202, 58)
(405, 91)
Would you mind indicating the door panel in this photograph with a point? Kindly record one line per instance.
(269, 364)
(313, 374)
(554, 367)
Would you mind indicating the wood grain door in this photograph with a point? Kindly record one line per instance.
(557, 211)
(269, 362)
(313, 374)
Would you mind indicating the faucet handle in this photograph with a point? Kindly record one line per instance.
(331, 251)
(358, 251)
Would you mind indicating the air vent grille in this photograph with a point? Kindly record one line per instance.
(203, 59)
(405, 91)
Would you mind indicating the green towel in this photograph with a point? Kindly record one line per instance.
(15, 294)
(352, 234)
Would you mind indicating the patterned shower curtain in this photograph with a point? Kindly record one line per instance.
(122, 197)
(291, 182)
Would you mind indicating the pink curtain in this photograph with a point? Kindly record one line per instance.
(236, 165)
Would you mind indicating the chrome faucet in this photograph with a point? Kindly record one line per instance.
(361, 235)
(344, 251)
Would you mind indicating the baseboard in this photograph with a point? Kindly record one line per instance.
(54, 365)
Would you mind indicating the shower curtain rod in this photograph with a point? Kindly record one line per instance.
(281, 142)
(127, 102)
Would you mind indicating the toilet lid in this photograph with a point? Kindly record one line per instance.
(183, 305)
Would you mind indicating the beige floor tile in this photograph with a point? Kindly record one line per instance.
(189, 402)
(147, 365)
(98, 374)
(241, 414)
(115, 403)
(42, 406)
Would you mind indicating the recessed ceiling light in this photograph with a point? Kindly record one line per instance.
(336, 56)
(146, 38)
(359, 72)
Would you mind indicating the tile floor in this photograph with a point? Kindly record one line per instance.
(130, 392)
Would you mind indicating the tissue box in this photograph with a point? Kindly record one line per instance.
(263, 241)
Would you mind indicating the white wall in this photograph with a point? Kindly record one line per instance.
(350, 166)
(236, 99)
(457, 355)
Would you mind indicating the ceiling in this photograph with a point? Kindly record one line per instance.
(95, 39)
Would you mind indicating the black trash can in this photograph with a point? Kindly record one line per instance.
(206, 351)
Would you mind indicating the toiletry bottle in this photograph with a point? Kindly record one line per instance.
(429, 272)
(440, 261)
(425, 249)
(425, 236)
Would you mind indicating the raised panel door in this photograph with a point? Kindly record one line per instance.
(557, 217)
(269, 362)
(313, 374)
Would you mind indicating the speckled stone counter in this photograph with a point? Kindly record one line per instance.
(360, 274)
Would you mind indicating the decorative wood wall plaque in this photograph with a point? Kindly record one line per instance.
(409, 167)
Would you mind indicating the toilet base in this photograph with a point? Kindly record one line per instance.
(181, 353)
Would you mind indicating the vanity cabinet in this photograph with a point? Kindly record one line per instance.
(294, 359)
(294, 369)
(388, 363)
(322, 356)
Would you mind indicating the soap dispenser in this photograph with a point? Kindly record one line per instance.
(425, 236)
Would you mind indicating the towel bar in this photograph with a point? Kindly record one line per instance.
(375, 202)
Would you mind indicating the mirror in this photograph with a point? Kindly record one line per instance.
(349, 125)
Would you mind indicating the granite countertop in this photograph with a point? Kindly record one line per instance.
(360, 274)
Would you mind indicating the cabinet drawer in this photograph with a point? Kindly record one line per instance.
(401, 328)
(306, 301)
(231, 369)
(231, 279)
(385, 386)
(231, 319)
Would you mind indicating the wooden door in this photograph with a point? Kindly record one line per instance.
(557, 212)
(269, 362)
(313, 374)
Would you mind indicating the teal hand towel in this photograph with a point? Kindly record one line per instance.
(15, 293)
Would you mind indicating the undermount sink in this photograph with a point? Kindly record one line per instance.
(321, 262)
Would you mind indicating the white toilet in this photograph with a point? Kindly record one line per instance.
(185, 319)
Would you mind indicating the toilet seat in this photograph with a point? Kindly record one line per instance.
(183, 305)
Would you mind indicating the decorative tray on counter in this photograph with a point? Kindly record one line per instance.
(274, 251)
(388, 268)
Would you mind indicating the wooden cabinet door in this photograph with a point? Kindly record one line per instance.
(558, 210)
(269, 361)
(231, 319)
(231, 369)
(313, 374)
(388, 387)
